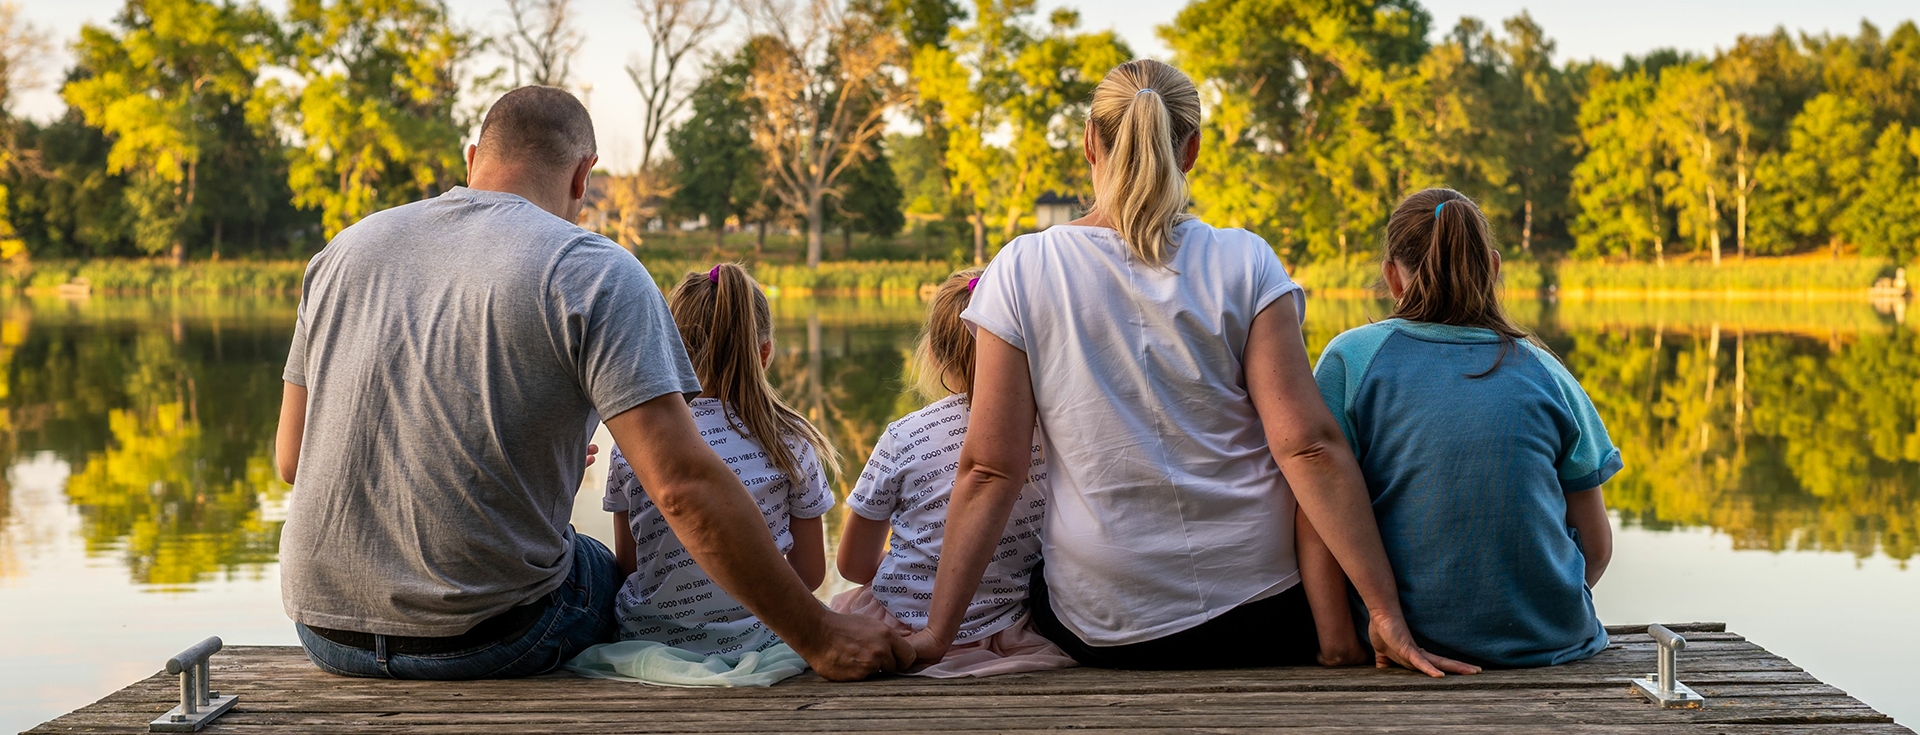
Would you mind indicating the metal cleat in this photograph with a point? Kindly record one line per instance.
(199, 705)
(1663, 687)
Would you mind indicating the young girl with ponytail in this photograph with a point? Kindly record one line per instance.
(903, 493)
(676, 626)
(1483, 455)
(1163, 361)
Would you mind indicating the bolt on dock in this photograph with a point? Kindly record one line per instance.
(1745, 688)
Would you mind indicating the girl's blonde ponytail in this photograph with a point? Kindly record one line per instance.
(1143, 114)
(724, 319)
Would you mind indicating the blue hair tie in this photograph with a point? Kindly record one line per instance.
(1436, 210)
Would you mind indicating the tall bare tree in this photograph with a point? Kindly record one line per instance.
(543, 41)
(24, 52)
(825, 80)
(674, 28)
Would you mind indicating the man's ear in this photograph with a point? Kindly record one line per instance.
(578, 190)
(1191, 154)
(471, 150)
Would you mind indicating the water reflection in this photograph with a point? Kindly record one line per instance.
(164, 411)
(1785, 425)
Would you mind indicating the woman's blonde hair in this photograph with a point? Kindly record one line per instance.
(945, 353)
(1143, 114)
(724, 319)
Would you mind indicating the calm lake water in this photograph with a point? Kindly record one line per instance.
(1772, 482)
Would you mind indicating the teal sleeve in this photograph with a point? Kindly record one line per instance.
(1590, 459)
(1343, 365)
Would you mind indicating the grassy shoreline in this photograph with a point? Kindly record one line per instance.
(1790, 278)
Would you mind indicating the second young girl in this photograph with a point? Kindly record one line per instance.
(676, 625)
(1483, 456)
(903, 493)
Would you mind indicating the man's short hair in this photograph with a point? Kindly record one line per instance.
(543, 127)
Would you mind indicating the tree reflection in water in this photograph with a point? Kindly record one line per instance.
(1787, 425)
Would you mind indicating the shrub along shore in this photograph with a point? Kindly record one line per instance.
(1801, 277)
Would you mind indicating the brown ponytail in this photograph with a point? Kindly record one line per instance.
(724, 319)
(944, 356)
(1445, 248)
(1144, 113)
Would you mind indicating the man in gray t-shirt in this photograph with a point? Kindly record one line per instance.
(445, 359)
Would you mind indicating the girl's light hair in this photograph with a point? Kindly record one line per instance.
(724, 319)
(1445, 247)
(1143, 114)
(945, 353)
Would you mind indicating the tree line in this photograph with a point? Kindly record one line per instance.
(200, 128)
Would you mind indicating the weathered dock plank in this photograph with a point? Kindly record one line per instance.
(1749, 690)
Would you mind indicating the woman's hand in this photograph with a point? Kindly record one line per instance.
(927, 648)
(1393, 644)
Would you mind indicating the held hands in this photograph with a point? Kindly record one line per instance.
(1393, 644)
(851, 648)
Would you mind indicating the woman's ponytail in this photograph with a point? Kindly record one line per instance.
(1144, 113)
(724, 319)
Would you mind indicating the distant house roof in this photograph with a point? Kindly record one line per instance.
(1054, 197)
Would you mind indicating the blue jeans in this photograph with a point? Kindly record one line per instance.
(579, 615)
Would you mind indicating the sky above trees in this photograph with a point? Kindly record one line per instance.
(1582, 30)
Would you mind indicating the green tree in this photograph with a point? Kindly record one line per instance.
(1613, 184)
(1885, 219)
(376, 109)
(868, 200)
(719, 171)
(1808, 185)
(165, 88)
(1695, 119)
(1538, 123)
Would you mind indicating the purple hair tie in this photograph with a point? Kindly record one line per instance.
(970, 285)
(714, 275)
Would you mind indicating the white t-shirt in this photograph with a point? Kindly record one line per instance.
(907, 482)
(668, 598)
(1166, 508)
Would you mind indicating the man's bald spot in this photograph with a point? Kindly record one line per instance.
(541, 128)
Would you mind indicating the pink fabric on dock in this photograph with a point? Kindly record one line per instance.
(1010, 651)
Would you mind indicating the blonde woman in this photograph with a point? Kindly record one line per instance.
(1163, 361)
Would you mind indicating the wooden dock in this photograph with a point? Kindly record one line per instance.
(1748, 690)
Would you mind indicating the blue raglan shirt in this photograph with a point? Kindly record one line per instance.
(1469, 479)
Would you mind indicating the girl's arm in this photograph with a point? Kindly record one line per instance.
(809, 554)
(624, 552)
(994, 463)
(1326, 587)
(1587, 514)
(1314, 456)
(863, 543)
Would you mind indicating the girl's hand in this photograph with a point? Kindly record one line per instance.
(927, 649)
(1393, 644)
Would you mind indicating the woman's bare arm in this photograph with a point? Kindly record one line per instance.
(863, 542)
(993, 468)
(1587, 513)
(809, 555)
(1313, 454)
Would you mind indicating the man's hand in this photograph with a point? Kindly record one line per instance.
(853, 647)
(593, 450)
(1393, 644)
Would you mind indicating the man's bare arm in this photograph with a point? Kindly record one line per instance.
(720, 525)
(293, 429)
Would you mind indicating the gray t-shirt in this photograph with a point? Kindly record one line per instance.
(452, 350)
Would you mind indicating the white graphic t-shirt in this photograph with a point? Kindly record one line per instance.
(907, 482)
(668, 598)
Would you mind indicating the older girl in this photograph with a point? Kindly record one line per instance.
(1482, 454)
(676, 626)
(903, 494)
(1163, 360)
